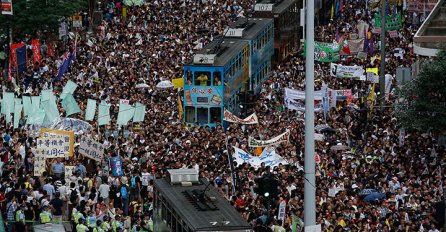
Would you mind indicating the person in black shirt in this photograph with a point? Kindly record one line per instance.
(57, 207)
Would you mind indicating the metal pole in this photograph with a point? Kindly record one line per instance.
(310, 166)
(382, 73)
(444, 201)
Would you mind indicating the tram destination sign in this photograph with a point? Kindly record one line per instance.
(204, 59)
(263, 7)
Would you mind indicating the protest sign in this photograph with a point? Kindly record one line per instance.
(39, 162)
(229, 117)
(52, 147)
(295, 100)
(281, 215)
(266, 143)
(6, 7)
(178, 83)
(116, 166)
(343, 94)
(393, 22)
(325, 52)
(341, 71)
(68, 137)
(91, 149)
(69, 170)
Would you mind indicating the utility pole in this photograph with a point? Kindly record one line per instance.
(310, 165)
(382, 71)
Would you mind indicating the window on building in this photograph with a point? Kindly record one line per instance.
(188, 76)
(217, 78)
(202, 115)
(190, 114)
(215, 115)
(203, 78)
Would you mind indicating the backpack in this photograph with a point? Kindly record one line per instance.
(124, 193)
(133, 182)
(73, 196)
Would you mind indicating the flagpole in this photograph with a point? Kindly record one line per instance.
(310, 166)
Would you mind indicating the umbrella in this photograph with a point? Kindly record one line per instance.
(374, 196)
(164, 84)
(339, 147)
(366, 192)
(142, 85)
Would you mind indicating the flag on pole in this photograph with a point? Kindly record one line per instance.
(68, 57)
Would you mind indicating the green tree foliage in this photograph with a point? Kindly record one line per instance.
(424, 104)
(31, 16)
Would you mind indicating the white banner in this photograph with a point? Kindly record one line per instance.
(52, 147)
(266, 143)
(341, 71)
(268, 156)
(372, 77)
(281, 215)
(39, 161)
(295, 100)
(297, 94)
(229, 117)
(91, 149)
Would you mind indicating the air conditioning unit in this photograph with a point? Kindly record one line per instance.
(178, 176)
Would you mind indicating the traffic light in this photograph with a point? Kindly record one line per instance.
(267, 186)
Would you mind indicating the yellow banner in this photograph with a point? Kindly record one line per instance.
(178, 83)
(372, 70)
(180, 109)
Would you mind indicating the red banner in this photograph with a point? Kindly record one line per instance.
(36, 51)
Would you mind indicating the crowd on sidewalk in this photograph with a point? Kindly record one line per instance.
(150, 45)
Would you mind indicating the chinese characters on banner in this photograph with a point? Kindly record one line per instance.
(271, 142)
(66, 136)
(69, 171)
(91, 149)
(39, 162)
(52, 147)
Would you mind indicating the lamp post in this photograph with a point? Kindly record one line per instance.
(310, 165)
(382, 71)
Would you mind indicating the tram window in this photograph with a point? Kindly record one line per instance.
(190, 114)
(215, 115)
(202, 115)
(203, 78)
(188, 76)
(217, 78)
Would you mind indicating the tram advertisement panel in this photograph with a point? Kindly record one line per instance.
(204, 95)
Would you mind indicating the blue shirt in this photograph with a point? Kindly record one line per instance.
(81, 168)
(58, 168)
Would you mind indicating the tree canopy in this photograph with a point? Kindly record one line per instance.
(424, 104)
(31, 16)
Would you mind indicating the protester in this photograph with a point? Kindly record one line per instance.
(152, 44)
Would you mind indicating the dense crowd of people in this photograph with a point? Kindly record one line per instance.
(151, 44)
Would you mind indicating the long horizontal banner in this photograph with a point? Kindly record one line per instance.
(341, 71)
(268, 156)
(266, 143)
(325, 52)
(229, 117)
(298, 94)
(393, 22)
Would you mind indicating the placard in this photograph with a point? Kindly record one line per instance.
(39, 162)
(52, 147)
(69, 170)
(91, 149)
(68, 137)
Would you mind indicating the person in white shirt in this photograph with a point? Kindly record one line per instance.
(104, 190)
